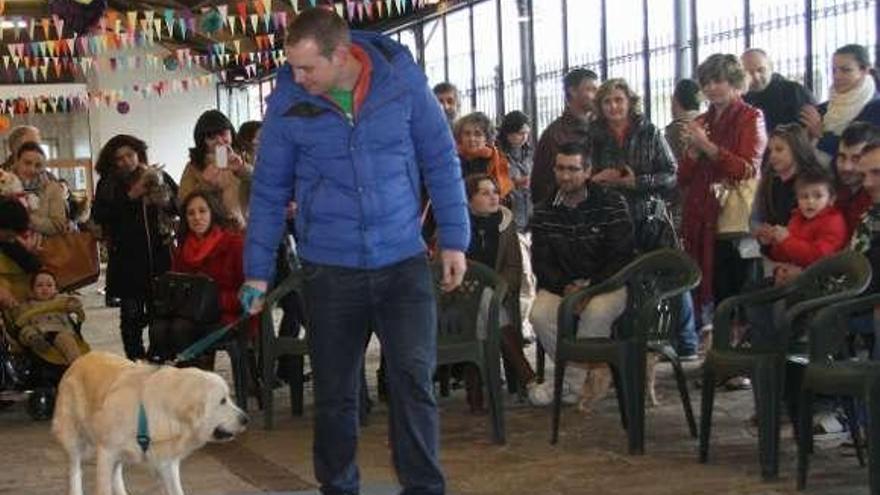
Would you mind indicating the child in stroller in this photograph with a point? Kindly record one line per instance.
(41, 338)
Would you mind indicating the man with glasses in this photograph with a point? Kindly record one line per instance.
(581, 235)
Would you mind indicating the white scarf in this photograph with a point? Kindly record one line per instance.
(844, 107)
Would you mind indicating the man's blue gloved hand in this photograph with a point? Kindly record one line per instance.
(251, 297)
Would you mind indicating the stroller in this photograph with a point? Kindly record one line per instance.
(28, 375)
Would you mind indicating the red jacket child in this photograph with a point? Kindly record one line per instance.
(811, 239)
(218, 255)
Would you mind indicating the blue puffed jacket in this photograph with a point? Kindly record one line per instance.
(357, 183)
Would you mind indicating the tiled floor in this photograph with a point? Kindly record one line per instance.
(590, 457)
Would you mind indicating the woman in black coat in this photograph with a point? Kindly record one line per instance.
(135, 208)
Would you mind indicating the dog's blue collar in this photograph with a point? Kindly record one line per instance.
(143, 431)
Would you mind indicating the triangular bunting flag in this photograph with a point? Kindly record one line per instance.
(254, 20)
(232, 25)
(351, 9)
(157, 24)
(169, 21)
(44, 23)
(237, 45)
(267, 20)
(44, 70)
(224, 11)
(131, 16)
(259, 7)
(182, 23)
(30, 27)
(271, 39)
(148, 14)
(294, 4)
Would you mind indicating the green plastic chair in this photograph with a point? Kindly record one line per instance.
(273, 346)
(650, 280)
(457, 339)
(830, 280)
(824, 374)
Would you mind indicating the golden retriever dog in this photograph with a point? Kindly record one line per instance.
(97, 413)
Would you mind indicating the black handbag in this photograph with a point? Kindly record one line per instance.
(185, 295)
(654, 227)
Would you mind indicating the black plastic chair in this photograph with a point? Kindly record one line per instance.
(457, 338)
(826, 374)
(830, 280)
(274, 346)
(650, 280)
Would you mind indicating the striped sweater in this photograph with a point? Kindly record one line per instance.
(589, 242)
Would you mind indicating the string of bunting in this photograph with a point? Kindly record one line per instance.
(44, 69)
(246, 17)
(82, 100)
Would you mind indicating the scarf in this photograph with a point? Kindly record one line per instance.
(843, 108)
(485, 236)
(497, 166)
(195, 249)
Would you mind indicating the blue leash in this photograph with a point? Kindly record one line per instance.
(201, 345)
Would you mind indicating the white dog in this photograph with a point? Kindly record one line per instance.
(98, 411)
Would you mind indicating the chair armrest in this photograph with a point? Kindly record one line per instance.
(723, 317)
(288, 285)
(829, 327)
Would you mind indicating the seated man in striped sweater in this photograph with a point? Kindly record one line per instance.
(581, 235)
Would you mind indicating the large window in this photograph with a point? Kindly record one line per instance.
(625, 36)
(486, 52)
(720, 27)
(512, 52)
(459, 53)
(778, 27)
(434, 54)
(661, 42)
(548, 61)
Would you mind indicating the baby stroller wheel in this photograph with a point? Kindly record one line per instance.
(41, 404)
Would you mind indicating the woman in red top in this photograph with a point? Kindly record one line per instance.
(210, 246)
(725, 144)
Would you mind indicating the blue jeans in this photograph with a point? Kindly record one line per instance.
(341, 304)
(687, 340)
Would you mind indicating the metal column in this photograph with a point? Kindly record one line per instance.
(683, 46)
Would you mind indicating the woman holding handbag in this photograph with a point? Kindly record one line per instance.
(718, 176)
(631, 155)
(209, 245)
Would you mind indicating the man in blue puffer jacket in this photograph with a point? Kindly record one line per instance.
(351, 130)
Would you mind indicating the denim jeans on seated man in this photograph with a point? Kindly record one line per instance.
(595, 321)
(399, 301)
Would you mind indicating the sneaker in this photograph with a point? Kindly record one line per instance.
(541, 395)
(688, 357)
(828, 423)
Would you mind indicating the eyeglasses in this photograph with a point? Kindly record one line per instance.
(570, 169)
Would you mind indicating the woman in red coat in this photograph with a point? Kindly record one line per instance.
(210, 246)
(725, 145)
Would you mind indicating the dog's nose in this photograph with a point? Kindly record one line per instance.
(244, 420)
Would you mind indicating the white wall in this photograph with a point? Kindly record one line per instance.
(165, 123)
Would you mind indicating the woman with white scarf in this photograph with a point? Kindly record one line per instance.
(853, 98)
